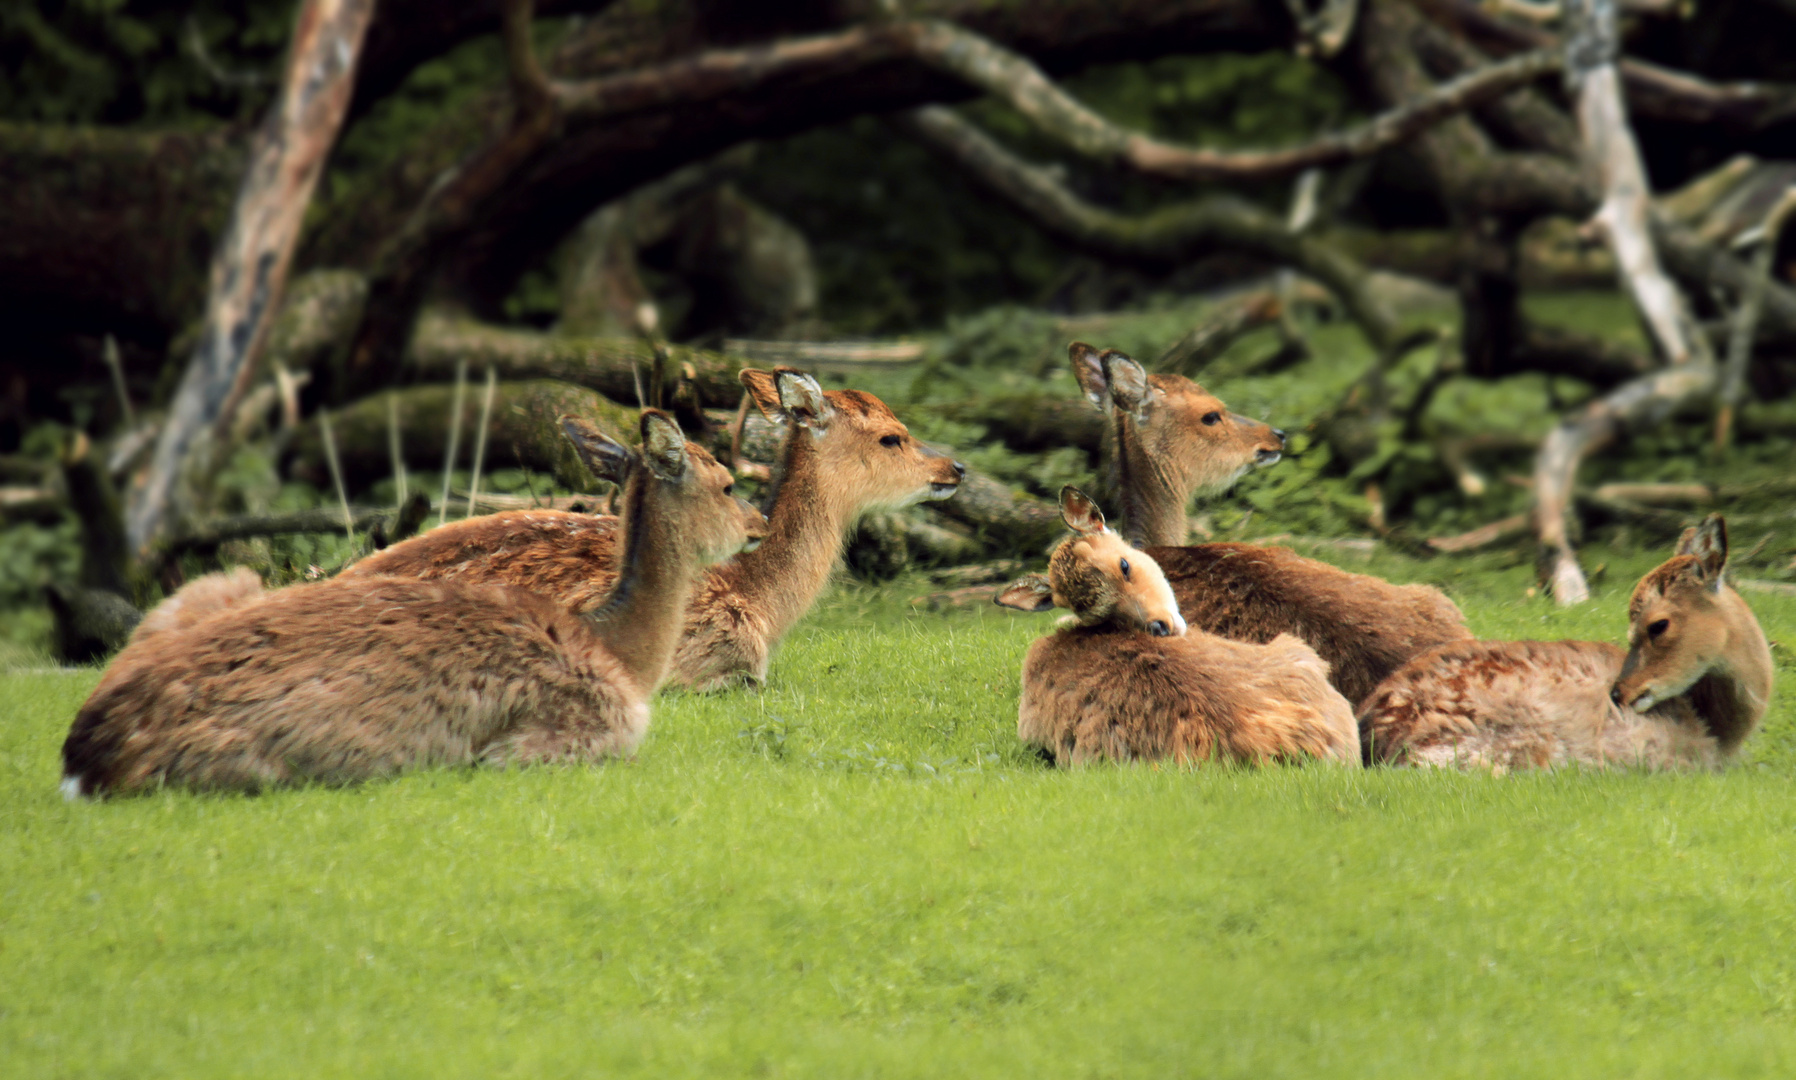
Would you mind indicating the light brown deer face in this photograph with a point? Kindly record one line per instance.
(1677, 631)
(1097, 576)
(863, 451)
(1183, 429)
(698, 509)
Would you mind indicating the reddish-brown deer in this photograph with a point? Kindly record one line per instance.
(1171, 440)
(1128, 681)
(362, 677)
(844, 453)
(1693, 683)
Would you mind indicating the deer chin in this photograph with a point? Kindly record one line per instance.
(750, 544)
(938, 492)
(1263, 458)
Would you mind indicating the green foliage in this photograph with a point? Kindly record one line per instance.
(133, 62)
(858, 871)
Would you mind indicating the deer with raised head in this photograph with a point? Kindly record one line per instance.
(357, 678)
(1171, 440)
(843, 454)
(1128, 680)
(1693, 683)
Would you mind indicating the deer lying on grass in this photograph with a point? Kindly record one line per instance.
(1693, 684)
(1128, 681)
(843, 454)
(1169, 441)
(362, 677)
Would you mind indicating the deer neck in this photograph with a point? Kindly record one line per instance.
(641, 619)
(1733, 696)
(1151, 497)
(781, 578)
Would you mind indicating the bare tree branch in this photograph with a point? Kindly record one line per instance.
(1166, 236)
(1612, 157)
(250, 266)
(1017, 81)
(1641, 403)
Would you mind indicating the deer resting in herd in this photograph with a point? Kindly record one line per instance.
(1129, 681)
(1693, 683)
(1170, 440)
(844, 453)
(227, 686)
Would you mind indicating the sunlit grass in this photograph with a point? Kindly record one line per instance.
(857, 872)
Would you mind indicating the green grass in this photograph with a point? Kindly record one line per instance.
(858, 873)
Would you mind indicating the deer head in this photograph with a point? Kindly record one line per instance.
(1097, 576)
(867, 456)
(1678, 630)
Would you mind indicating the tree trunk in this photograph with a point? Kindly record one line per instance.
(249, 268)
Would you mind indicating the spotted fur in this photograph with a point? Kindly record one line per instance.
(1685, 696)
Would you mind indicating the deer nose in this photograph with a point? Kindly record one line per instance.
(1158, 628)
(1280, 434)
(959, 469)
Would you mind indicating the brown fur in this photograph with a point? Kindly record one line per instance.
(833, 468)
(199, 599)
(361, 677)
(1687, 696)
(1106, 689)
(1163, 454)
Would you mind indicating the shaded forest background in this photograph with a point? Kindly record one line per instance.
(748, 221)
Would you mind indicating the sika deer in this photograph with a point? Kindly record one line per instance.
(1128, 681)
(1692, 685)
(362, 677)
(1171, 440)
(844, 454)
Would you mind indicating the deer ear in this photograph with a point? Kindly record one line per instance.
(603, 456)
(1030, 592)
(802, 399)
(763, 392)
(1088, 369)
(1079, 512)
(1710, 548)
(1128, 383)
(663, 445)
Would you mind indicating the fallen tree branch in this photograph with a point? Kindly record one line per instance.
(385, 525)
(1163, 237)
(1746, 320)
(1211, 338)
(249, 268)
(1642, 402)
(524, 431)
(1018, 82)
(1483, 536)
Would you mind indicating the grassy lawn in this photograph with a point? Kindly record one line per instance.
(856, 872)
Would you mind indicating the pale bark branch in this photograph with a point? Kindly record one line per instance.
(249, 268)
(1640, 403)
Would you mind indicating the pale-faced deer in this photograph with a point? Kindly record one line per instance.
(1129, 681)
(844, 453)
(362, 677)
(1169, 441)
(1693, 683)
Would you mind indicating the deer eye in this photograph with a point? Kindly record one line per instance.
(1655, 629)
(890, 440)
(1211, 419)
(1125, 569)
(730, 488)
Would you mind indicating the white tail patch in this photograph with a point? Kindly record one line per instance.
(71, 788)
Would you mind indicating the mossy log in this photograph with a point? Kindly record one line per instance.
(523, 432)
